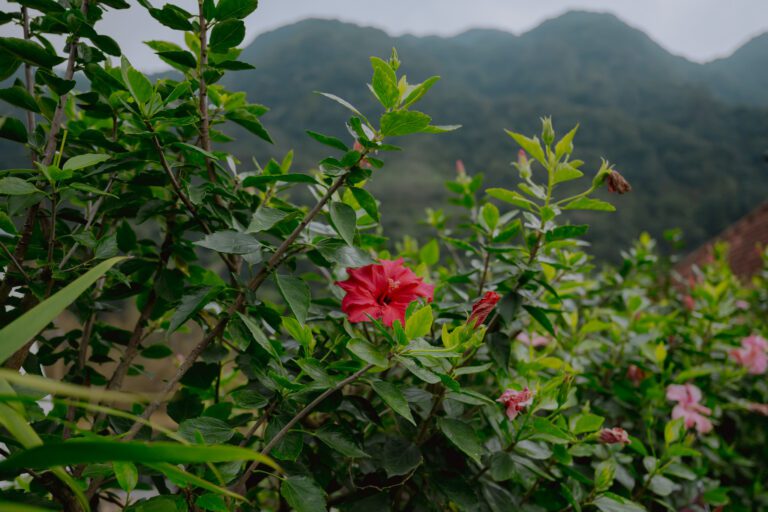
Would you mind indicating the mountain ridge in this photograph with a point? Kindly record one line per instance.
(690, 142)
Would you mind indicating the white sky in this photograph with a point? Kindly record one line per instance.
(700, 30)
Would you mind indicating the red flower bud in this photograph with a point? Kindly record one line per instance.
(615, 435)
(482, 308)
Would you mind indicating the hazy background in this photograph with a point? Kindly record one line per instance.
(699, 30)
(674, 92)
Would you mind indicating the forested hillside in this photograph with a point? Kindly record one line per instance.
(680, 131)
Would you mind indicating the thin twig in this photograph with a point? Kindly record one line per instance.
(297, 418)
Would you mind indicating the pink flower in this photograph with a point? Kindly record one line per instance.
(615, 435)
(758, 408)
(364, 163)
(516, 401)
(752, 354)
(382, 290)
(635, 374)
(460, 169)
(742, 304)
(482, 308)
(534, 340)
(688, 398)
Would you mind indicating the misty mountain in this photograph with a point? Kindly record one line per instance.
(689, 137)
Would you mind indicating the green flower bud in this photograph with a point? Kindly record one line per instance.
(547, 131)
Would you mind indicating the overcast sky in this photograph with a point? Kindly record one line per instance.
(700, 30)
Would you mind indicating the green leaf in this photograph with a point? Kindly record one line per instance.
(7, 506)
(253, 181)
(264, 219)
(463, 436)
(237, 9)
(541, 317)
(230, 242)
(340, 442)
(586, 203)
(30, 52)
(13, 129)
(392, 396)
(82, 161)
(106, 44)
(587, 422)
(344, 221)
(182, 58)
(344, 103)
(259, 336)
(384, 83)
(301, 333)
(419, 91)
(565, 232)
(610, 502)
(157, 351)
(510, 196)
(419, 323)
(404, 122)
(366, 201)
(296, 293)
(212, 502)
(429, 254)
(12, 186)
(250, 122)
(565, 145)
(531, 146)
(226, 35)
(139, 85)
(16, 334)
(565, 172)
(190, 305)
(303, 494)
(172, 17)
(368, 352)
(19, 97)
(490, 216)
(126, 474)
(328, 140)
(77, 451)
(211, 430)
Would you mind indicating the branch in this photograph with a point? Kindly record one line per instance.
(205, 137)
(239, 304)
(181, 195)
(297, 418)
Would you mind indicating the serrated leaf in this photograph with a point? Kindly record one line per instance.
(344, 221)
(463, 436)
(296, 293)
(230, 242)
(303, 494)
(82, 161)
(404, 122)
(264, 219)
(394, 398)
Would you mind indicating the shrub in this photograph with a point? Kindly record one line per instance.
(490, 368)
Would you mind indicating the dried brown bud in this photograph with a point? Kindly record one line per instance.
(615, 435)
(617, 184)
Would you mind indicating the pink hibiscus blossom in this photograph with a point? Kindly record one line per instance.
(516, 401)
(615, 435)
(383, 291)
(688, 398)
(752, 354)
(758, 408)
(532, 340)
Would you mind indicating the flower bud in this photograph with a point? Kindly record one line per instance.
(547, 131)
(615, 435)
(482, 308)
(616, 183)
(523, 165)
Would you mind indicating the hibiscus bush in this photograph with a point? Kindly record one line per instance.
(299, 358)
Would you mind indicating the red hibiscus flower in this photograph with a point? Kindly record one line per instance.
(482, 308)
(382, 291)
